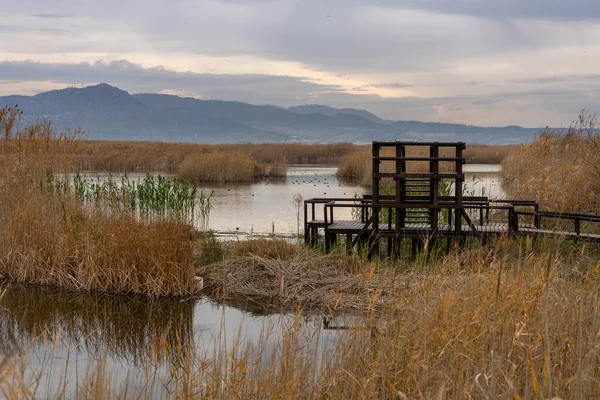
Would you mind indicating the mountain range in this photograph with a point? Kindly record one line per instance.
(107, 112)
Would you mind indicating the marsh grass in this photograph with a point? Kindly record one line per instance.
(208, 163)
(559, 169)
(152, 198)
(48, 237)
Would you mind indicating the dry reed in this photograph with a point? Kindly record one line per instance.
(53, 240)
(560, 170)
(312, 282)
(430, 330)
(234, 162)
(220, 167)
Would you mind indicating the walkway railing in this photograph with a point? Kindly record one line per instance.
(480, 216)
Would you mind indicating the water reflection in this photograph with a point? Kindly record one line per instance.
(65, 336)
(114, 326)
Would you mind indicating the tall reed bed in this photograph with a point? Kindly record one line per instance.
(214, 163)
(559, 169)
(294, 153)
(512, 320)
(219, 166)
(50, 238)
(487, 154)
(130, 156)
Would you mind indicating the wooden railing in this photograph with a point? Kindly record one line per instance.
(513, 213)
(577, 219)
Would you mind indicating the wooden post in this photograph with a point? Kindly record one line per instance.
(374, 237)
(400, 182)
(306, 230)
(434, 187)
(458, 198)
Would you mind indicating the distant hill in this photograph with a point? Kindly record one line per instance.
(107, 112)
(330, 111)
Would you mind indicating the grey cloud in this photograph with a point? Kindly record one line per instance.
(553, 105)
(12, 28)
(337, 36)
(134, 78)
(504, 9)
(543, 80)
(392, 85)
(53, 15)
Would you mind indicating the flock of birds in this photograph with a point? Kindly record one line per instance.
(315, 180)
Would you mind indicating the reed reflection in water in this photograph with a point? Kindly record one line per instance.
(126, 328)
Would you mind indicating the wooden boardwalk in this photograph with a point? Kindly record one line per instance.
(412, 205)
(421, 230)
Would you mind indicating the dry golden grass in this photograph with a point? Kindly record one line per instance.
(52, 240)
(310, 280)
(220, 166)
(356, 167)
(487, 154)
(213, 163)
(294, 153)
(561, 171)
(512, 320)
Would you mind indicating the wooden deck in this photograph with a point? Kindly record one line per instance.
(406, 204)
(422, 230)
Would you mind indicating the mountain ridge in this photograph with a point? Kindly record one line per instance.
(108, 112)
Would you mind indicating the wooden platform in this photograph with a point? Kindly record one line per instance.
(423, 230)
(412, 203)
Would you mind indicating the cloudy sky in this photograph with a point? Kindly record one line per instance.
(485, 62)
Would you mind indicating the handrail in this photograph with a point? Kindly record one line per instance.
(391, 158)
(523, 203)
(515, 208)
(333, 204)
(562, 215)
(417, 144)
(575, 217)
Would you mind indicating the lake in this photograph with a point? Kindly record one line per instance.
(267, 207)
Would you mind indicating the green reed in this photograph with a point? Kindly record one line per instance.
(204, 207)
(152, 198)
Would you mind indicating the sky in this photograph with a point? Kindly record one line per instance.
(483, 62)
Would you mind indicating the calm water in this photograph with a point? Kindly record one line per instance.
(267, 207)
(483, 180)
(69, 334)
(243, 210)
